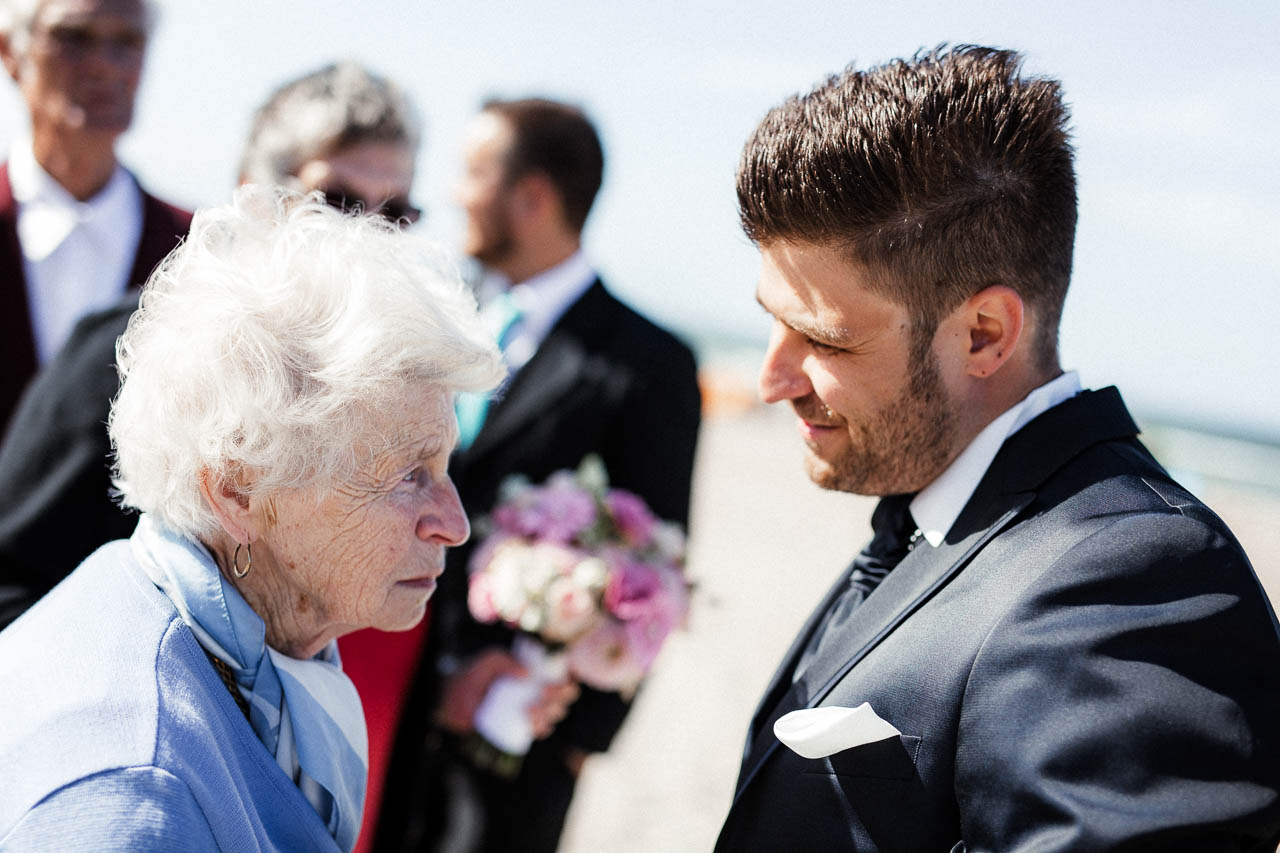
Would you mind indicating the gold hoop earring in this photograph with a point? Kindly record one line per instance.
(248, 562)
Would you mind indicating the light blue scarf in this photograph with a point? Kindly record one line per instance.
(306, 712)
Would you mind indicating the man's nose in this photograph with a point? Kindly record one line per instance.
(781, 374)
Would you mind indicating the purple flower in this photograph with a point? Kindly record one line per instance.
(556, 512)
(632, 515)
(632, 587)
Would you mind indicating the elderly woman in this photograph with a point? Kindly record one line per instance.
(284, 427)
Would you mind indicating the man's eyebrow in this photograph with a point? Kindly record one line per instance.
(836, 336)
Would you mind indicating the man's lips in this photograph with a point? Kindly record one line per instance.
(812, 430)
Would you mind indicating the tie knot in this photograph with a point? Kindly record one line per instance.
(892, 526)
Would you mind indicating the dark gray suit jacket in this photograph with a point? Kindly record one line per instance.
(1087, 662)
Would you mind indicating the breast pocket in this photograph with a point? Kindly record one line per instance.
(892, 758)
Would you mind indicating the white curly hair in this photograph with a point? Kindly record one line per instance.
(268, 340)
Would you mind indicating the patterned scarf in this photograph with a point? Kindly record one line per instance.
(306, 712)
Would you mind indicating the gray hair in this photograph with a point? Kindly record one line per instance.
(319, 113)
(18, 16)
(266, 344)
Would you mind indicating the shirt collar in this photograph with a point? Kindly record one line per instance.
(938, 505)
(543, 299)
(47, 213)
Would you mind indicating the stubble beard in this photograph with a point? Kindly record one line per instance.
(902, 448)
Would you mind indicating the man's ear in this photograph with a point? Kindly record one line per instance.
(230, 505)
(995, 320)
(534, 196)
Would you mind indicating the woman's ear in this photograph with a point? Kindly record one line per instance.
(230, 505)
(995, 320)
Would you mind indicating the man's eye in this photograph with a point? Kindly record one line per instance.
(823, 349)
(414, 476)
(71, 38)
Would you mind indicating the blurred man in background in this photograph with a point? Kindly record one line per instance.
(76, 230)
(587, 375)
(339, 130)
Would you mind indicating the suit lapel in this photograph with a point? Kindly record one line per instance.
(1025, 461)
(906, 589)
(782, 677)
(552, 372)
(547, 376)
(17, 341)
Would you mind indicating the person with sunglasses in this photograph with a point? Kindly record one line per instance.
(339, 130)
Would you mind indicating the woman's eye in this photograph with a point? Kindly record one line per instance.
(414, 476)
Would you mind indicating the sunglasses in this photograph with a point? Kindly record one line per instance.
(397, 210)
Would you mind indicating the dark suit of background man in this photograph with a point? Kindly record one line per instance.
(1076, 652)
(589, 376)
(75, 228)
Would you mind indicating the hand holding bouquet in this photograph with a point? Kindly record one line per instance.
(586, 571)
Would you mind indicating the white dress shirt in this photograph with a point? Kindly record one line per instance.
(76, 255)
(938, 504)
(542, 301)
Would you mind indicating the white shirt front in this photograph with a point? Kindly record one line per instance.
(938, 504)
(542, 301)
(76, 255)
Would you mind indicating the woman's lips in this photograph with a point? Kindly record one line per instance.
(423, 583)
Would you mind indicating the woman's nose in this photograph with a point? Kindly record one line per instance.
(444, 520)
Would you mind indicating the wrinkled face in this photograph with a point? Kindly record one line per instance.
(375, 177)
(367, 553)
(875, 420)
(484, 192)
(79, 70)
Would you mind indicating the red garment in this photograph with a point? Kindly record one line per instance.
(381, 665)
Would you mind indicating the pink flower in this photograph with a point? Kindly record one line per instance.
(602, 658)
(480, 598)
(662, 613)
(632, 515)
(632, 586)
(571, 610)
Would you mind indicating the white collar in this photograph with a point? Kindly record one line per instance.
(938, 504)
(542, 300)
(47, 213)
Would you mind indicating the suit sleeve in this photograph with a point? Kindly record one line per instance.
(132, 810)
(55, 481)
(1126, 703)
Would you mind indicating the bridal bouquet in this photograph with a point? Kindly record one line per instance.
(588, 574)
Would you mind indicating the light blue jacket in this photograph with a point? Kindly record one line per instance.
(116, 733)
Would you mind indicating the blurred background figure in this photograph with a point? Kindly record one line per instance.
(76, 230)
(340, 130)
(587, 374)
(290, 368)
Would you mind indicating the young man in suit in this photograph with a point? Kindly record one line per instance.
(76, 230)
(1070, 651)
(588, 375)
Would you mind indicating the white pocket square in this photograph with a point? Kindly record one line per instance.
(819, 732)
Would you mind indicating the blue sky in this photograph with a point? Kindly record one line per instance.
(1175, 108)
